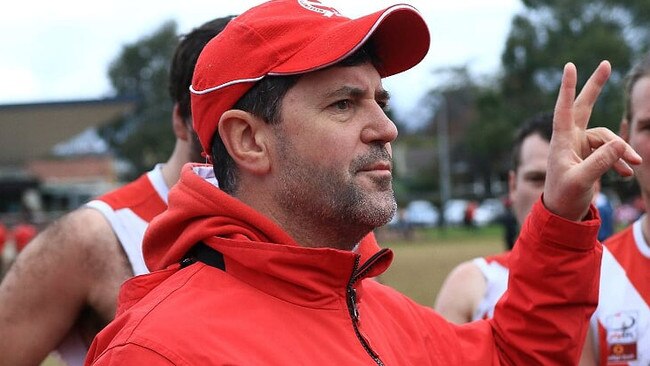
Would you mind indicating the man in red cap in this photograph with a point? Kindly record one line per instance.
(63, 287)
(268, 266)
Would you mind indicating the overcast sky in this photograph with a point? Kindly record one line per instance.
(60, 50)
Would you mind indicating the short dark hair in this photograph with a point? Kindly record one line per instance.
(187, 52)
(639, 70)
(540, 124)
(264, 100)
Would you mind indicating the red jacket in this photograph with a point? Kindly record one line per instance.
(276, 303)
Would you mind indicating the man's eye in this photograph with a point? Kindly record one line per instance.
(342, 105)
(536, 179)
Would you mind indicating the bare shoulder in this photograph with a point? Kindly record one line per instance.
(466, 272)
(79, 236)
(461, 293)
(89, 234)
(62, 241)
(82, 229)
(75, 248)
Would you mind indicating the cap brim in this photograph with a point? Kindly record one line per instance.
(399, 33)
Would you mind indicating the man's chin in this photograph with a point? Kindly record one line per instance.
(381, 214)
(379, 184)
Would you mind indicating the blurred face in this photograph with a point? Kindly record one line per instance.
(334, 158)
(527, 183)
(639, 130)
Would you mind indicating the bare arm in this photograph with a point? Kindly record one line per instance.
(52, 281)
(588, 357)
(461, 293)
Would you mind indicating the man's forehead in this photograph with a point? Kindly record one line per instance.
(641, 113)
(344, 78)
(535, 141)
(640, 99)
(534, 147)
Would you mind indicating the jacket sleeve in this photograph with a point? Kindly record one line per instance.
(543, 317)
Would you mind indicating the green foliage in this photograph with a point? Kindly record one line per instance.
(490, 137)
(552, 33)
(549, 33)
(479, 130)
(142, 70)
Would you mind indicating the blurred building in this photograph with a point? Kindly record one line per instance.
(49, 161)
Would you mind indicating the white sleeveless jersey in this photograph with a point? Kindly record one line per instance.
(621, 323)
(495, 270)
(128, 209)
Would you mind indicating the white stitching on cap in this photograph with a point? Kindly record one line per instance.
(209, 90)
(355, 48)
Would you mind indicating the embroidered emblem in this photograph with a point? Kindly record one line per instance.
(622, 336)
(319, 7)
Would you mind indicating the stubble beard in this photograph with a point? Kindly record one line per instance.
(332, 200)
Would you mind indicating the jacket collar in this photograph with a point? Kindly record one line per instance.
(253, 246)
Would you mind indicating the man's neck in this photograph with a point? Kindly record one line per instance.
(171, 170)
(645, 228)
(645, 224)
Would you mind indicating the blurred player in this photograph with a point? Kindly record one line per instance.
(63, 287)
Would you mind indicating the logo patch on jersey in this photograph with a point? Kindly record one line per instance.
(622, 336)
(319, 7)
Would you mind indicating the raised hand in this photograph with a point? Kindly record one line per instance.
(579, 156)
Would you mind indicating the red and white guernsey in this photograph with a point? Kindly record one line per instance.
(621, 322)
(495, 270)
(129, 210)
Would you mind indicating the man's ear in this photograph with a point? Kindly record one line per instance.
(512, 183)
(624, 129)
(245, 138)
(179, 125)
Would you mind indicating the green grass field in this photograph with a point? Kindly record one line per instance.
(422, 263)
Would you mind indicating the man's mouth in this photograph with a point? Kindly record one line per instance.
(378, 167)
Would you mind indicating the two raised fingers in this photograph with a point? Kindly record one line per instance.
(571, 111)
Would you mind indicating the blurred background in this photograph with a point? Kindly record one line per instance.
(84, 107)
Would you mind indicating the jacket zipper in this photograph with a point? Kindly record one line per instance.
(352, 304)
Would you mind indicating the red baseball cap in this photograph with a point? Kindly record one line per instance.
(288, 37)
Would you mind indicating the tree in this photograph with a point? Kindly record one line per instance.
(480, 134)
(549, 34)
(487, 110)
(141, 70)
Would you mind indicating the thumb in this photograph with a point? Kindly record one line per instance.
(607, 156)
